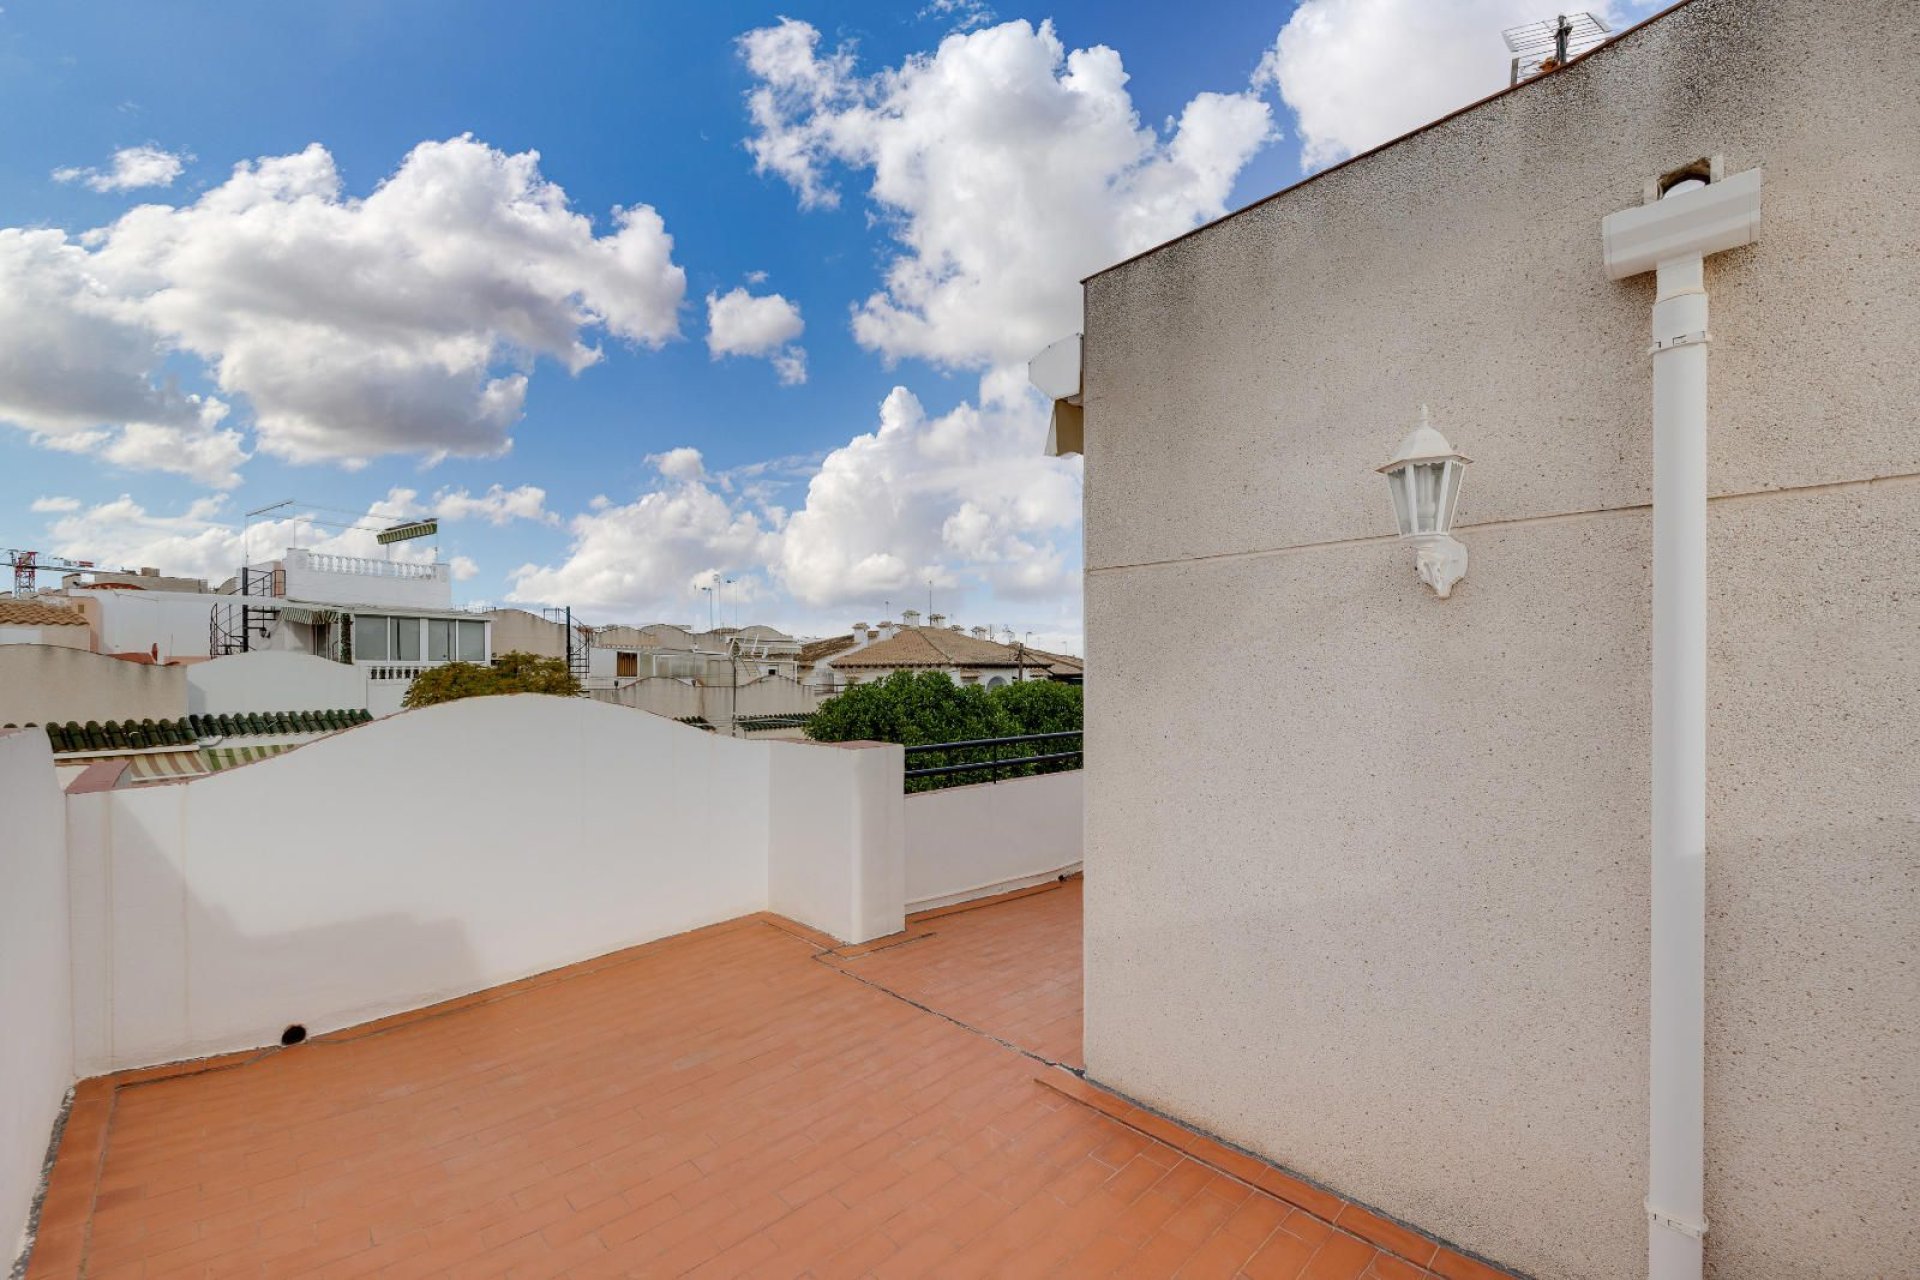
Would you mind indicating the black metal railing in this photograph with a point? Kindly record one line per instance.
(957, 764)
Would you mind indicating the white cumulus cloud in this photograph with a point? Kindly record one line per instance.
(130, 169)
(497, 506)
(1357, 73)
(650, 557)
(404, 321)
(205, 541)
(81, 372)
(962, 499)
(764, 325)
(1004, 167)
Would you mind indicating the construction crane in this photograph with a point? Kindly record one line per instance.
(27, 563)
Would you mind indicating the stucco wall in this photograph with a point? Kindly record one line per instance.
(657, 694)
(516, 630)
(270, 681)
(356, 581)
(967, 842)
(767, 695)
(41, 682)
(837, 816)
(68, 637)
(135, 621)
(442, 851)
(36, 1029)
(1367, 887)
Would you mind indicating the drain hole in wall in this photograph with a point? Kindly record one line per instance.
(293, 1034)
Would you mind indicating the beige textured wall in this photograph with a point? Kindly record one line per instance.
(40, 682)
(770, 695)
(517, 630)
(1367, 886)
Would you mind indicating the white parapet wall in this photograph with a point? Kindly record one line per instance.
(446, 850)
(41, 683)
(269, 680)
(837, 814)
(36, 1036)
(969, 842)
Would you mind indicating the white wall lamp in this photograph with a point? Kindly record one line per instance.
(1425, 474)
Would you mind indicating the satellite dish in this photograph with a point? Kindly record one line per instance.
(1548, 45)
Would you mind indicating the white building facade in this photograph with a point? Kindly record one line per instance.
(1369, 892)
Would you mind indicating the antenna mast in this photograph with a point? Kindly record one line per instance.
(1548, 45)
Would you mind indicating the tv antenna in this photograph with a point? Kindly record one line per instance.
(1548, 45)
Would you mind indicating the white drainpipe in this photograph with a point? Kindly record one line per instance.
(1672, 234)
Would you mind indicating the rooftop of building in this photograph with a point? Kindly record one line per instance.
(814, 650)
(746, 1099)
(34, 613)
(941, 647)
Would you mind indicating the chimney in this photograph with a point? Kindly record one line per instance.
(147, 572)
(859, 635)
(911, 618)
(937, 620)
(979, 633)
(884, 631)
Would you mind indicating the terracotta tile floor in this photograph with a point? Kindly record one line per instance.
(1011, 969)
(724, 1103)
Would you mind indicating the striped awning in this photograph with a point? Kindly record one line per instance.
(165, 766)
(219, 758)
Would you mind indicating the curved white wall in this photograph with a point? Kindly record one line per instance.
(273, 681)
(447, 850)
(36, 1036)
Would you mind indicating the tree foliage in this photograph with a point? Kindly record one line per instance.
(918, 708)
(514, 672)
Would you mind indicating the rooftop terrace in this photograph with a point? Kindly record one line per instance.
(745, 1099)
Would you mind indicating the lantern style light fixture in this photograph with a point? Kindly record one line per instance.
(1424, 475)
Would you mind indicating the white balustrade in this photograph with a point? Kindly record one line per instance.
(328, 562)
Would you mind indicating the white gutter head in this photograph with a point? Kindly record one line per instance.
(1056, 371)
(1720, 215)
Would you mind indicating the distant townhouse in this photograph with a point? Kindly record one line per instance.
(966, 657)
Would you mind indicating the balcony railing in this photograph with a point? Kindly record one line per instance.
(957, 764)
(396, 671)
(360, 566)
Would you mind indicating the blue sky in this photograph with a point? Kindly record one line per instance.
(204, 309)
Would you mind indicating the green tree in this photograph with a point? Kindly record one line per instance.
(526, 673)
(1043, 706)
(510, 673)
(915, 709)
(1040, 706)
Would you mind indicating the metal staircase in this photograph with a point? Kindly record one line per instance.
(579, 643)
(239, 627)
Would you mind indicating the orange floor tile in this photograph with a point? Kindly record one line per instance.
(728, 1103)
(1010, 969)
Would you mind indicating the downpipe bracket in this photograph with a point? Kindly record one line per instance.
(1695, 1230)
(1696, 338)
